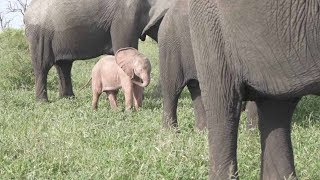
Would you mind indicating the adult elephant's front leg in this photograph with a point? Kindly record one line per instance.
(223, 107)
(275, 127)
(220, 91)
(64, 72)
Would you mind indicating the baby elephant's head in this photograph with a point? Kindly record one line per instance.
(136, 65)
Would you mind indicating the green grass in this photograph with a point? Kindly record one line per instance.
(65, 139)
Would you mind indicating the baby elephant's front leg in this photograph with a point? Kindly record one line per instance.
(137, 96)
(128, 94)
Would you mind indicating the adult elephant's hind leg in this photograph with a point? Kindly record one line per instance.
(170, 103)
(199, 111)
(252, 115)
(171, 77)
(41, 74)
(275, 127)
(64, 72)
(41, 62)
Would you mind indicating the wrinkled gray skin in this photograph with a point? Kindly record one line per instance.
(177, 62)
(265, 51)
(61, 31)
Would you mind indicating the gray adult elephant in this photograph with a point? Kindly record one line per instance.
(265, 51)
(177, 68)
(61, 31)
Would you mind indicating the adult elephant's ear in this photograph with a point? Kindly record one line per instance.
(124, 58)
(158, 9)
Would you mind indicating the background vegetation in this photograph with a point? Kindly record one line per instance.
(65, 139)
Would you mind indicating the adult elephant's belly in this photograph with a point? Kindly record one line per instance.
(279, 72)
(277, 53)
(81, 42)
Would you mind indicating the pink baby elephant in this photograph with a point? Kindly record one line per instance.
(128, 69)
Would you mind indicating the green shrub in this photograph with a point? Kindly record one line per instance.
(15, 64)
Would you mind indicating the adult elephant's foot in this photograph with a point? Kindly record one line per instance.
(65, 93)
(65, 84)
(169, 116)
(41, 88)
(41, 82)
(68, 96)
(169, 121)
(42, 99)
(41, 93)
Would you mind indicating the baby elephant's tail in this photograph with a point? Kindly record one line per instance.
(86, 85)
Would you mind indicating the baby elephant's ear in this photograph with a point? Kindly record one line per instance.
(124, 58)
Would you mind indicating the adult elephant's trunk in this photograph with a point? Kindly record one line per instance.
(145, 82)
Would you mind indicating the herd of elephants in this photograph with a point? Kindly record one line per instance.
(263, 52)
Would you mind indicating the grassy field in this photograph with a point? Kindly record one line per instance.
(65, 139)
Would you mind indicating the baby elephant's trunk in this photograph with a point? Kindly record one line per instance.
(145, 81)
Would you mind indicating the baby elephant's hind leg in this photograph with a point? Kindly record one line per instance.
(95, 98)
(112, 96)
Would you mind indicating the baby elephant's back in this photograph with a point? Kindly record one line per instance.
(106, 71)
(108, 64)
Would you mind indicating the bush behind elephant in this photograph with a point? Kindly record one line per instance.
(129, 70)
